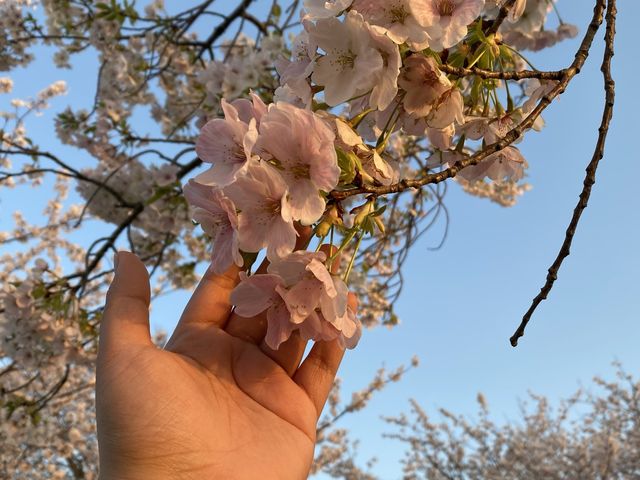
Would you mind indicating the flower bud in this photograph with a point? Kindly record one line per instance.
(332, 217)
(363, 212)
(380, 224)
(322, 230)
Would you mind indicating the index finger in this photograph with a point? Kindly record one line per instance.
(210, 303)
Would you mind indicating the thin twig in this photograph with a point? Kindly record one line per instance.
(590, 179)
(511, 75)
(222, 28)
(502, 15)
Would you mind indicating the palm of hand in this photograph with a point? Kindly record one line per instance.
(211, 405)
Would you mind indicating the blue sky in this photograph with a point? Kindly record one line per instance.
(461, 303)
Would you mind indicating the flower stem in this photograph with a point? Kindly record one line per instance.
(353, 258)
(345, 244)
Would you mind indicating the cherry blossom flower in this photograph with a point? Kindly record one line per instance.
(217, 216)
(299, 293)
(302, 147)
(531, 18)
(536, 89)
(446, 21)
(396, 16)
(492, 130)
(6, 85)
(565, 31)
(165, 175)
(447, 110)
(286, 94)
(260, 194)
(314, 9)
(377, 167)
(507, 164)
(386, 85)
(441, 137)
(295, 73)
(227, 144)
(423, 83)
(249, 110)
(351, 63)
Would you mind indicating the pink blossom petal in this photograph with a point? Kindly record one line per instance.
(302, 299)
(320, 271)
(293, 267)
(255, 294)
(279, 327)
(305, 202)
(351, 341)
(448, 110)
(281, 239)
(441, 137)
(225, 251)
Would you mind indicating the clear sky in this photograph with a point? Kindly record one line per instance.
(462, 303)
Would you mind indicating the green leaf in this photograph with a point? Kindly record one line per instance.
(347, 167)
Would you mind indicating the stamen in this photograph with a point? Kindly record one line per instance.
(446, 8)
(398, 14)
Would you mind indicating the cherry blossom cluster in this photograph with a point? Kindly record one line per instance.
(270, 168)
(360, 75)
(32, 336)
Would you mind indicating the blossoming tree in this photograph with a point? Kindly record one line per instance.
(318, 122)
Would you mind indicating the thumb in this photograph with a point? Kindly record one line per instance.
(125, 322)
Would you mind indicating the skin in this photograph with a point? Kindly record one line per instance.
(216, 402)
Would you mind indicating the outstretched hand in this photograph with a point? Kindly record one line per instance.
(216, 402)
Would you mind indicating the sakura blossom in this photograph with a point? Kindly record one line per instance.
(386, 85)
(6, 85)
(441, 138)
(315, 9)
(250, 110)
(217, 216)
(228, 145)
(302, 147)
(397, 19)
(507, 164)
(446, 21)
(491, 130)
(447, 110)
(536, 89)
(295, 72)
(529, 16)
(300, 294)
(373, 164)
(350, 63)
(423, 83)
(265, 220)
(517, 10)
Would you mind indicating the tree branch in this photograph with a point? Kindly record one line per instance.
(490, 74)
(590, 179)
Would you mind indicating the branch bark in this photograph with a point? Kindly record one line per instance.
(590, 179)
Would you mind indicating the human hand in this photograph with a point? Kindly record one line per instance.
(216, 402)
